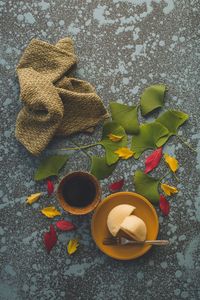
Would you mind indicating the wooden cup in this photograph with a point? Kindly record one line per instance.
(87, 177)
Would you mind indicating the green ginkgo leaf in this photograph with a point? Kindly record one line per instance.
(126, 116)
(110, 146)
(150, 137)
(50, 166)
(100, 168)
(172, 120)
(147, 186)
(152, 98)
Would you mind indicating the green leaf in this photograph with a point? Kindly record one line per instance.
(99, 167)
(152, 98)
(126, 116)
(110, 146)
(172, 120)
(147, 186)
(50, 166)
(150, 137)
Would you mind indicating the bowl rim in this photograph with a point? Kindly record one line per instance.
(106, 199)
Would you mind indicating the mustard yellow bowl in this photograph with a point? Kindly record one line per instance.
(144, 210)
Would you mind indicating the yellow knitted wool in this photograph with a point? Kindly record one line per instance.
(54, 102)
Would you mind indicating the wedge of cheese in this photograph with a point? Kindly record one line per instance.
(134, 227)
(117, 216)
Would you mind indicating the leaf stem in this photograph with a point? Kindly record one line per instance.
(185, 143)
(164, 176)
(85, 152)
(80, 147)
(138, 106)
(176, 177)
(171, 171)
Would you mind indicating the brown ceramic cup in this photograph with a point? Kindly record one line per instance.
(79, 193)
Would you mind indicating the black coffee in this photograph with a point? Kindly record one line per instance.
(78, 191)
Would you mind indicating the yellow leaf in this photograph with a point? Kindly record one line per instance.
(172, 162)
(169, 190)
(33, 198)
(72, 246)
(124, 152)
(50, 212)
(115, 138)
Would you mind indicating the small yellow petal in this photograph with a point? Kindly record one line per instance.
(72, 246)
(172, 162)
(33, 198)
(50, 212)
(124, 153)
(169, 190)
(115, 138)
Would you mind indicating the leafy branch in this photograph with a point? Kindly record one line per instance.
(144, 136)
(80, 147)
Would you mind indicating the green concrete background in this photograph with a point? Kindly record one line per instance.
(123, 46)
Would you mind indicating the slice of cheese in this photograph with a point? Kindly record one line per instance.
(134, 227)
(117, 216)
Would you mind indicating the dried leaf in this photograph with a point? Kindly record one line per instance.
(33, 198)
(50, 212)
(50, 187)
(116, 186)
(50, 166)
(172, 162)
(153, 160)
(150, 137)
(152, 98)
(72, 246)
(100, 169)
(172, 120)
(114, 137)
(147, 186)
(168, 189)
(50, 239)
(126, 116)
(110, 147)
(164, 205)
(65, 225)
(124, 153)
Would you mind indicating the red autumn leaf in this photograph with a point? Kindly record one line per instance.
(153, 160)
(50, 239)
(164, 205)
(116, 186)
(65, 225)
(50, 187)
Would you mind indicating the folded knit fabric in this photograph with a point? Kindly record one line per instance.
(54, 103)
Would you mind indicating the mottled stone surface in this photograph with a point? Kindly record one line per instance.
(123, 46)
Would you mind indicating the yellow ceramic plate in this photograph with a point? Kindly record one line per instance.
(144, 210)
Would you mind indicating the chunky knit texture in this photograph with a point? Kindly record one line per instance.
(54, 102)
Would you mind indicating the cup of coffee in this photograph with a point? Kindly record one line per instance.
(79, 193)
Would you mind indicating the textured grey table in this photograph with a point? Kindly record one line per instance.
(123, 46)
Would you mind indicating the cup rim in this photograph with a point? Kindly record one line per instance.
(79, 210)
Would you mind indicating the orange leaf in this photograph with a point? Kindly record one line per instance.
(33, 198)
(124, 153)
(169, 190)
(172, 162)
(114, 137)
(50, 212)
(72, 246)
